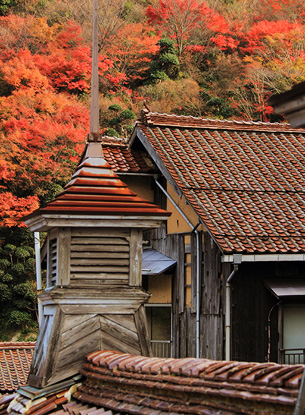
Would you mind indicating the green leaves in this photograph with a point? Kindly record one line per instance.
(18, 296)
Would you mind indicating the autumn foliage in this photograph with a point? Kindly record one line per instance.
(185, 56)
(204, 58)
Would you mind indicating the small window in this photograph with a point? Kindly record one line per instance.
(293, 333)
(159, 328)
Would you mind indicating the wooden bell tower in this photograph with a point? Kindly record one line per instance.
(93, 299)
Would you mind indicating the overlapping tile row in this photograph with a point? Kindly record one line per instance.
(123, 159)
(15, 362)
(153, 118)
(247, 184)
(95, 189)
(140, 385)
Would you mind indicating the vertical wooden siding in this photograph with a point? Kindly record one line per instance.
(211, 293)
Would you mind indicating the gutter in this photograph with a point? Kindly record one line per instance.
(194, 230)
(228, 319)
(263, 257)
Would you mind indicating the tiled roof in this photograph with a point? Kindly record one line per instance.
(125, 384)
(15, 362)
(244, 179)
(123, 159)
(96, 189)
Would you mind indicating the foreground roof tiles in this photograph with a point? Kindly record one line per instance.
(244, 179)
(141, 385)
(15, 362)
(118, 383)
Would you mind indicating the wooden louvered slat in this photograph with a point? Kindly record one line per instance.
(113, 255)
(100, 241)
(53, 275)
(100, 248)
(97, 260)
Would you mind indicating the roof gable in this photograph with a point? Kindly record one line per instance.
(245, 180)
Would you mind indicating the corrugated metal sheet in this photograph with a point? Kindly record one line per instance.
(155, 263)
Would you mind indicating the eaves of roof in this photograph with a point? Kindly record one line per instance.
(96, 191)
(244, 180)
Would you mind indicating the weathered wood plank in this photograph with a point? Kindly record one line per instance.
(103, 308)
(98, 283)
(211, 330)
(191, 333)
(89, 232)
(212, 283)
(97, 261)
(102, 269)
(112, 343)
(63, 256)
(50, 348)
(99, 241)
(112, 255)
(181, 273)
(194, 273)
(141, 325)
(118, 331)
(82, 329)
(135, 272)
(125, 320)
(70, 323)
(99, 276)
(100, 248)
(183, 336)
(70, 356)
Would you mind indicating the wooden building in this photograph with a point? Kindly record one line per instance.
(292, 104)
(236, 193)
(94, 298)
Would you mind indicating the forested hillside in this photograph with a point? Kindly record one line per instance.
(214, 58)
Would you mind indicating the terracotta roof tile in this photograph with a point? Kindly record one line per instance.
(96, 190)
(244, 179)
(123, 159)
(116, 383)
(138, 384)
(15, 362)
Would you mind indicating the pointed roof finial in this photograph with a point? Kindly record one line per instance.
(94, 119)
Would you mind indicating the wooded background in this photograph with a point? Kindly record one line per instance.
(216, 58)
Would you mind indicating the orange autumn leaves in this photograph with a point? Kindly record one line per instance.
(228, 55)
